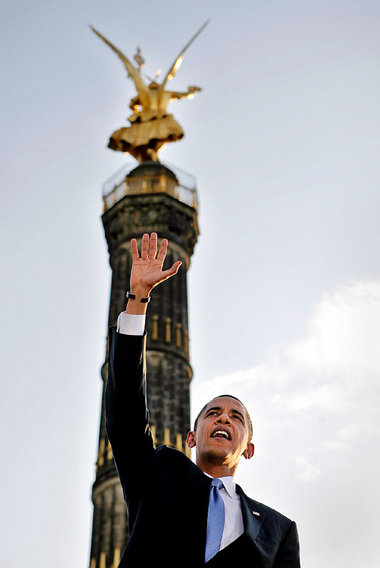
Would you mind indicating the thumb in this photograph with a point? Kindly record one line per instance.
(172, 270)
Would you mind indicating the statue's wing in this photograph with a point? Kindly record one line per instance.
(133, 72)
(177, 63)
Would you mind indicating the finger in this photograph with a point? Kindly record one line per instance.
(172, 270)
(134, 250)
(153, 246)
(163, 250)
(144, 246)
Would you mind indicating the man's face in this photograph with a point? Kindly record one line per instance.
(222, 433)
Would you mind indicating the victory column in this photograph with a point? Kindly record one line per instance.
(149, 197)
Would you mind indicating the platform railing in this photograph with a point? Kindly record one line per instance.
(181, 187)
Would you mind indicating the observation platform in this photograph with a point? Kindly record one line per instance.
(150, 178)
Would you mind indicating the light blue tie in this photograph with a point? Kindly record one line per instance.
(215, 520)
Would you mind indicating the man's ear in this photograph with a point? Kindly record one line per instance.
(190, 440)
(249, 451)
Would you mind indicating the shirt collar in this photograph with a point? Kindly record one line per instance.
(229, 484)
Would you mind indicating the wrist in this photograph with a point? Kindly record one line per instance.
(140, 291)
(138, 300)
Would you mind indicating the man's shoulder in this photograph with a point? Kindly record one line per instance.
(166, 452)
(172, 456)
(178, 470)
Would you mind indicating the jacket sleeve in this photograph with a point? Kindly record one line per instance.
(288, 555)
(127, 416)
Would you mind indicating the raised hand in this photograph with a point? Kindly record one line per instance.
(147, 269)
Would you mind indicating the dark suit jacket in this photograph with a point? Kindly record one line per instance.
(167, 494)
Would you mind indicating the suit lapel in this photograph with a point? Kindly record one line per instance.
(199, 492)
(252, 517)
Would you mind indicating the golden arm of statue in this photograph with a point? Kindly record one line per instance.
(184, 95)
(132, 71)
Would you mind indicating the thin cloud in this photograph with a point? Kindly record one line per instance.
(323, 387)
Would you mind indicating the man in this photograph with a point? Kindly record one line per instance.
(183, 514)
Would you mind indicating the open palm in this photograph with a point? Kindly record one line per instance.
(147, 269)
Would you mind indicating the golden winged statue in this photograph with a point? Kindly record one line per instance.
(151, 125)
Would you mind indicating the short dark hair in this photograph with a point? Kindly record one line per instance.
(250, 427)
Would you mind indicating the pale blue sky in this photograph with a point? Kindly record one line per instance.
(284, 287)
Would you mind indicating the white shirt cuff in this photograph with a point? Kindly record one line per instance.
(130, 324)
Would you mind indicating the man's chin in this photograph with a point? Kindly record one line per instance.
(219, 451)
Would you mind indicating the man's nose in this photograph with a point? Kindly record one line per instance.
(223, 418)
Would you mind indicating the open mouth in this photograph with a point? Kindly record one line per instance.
(221, 434)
